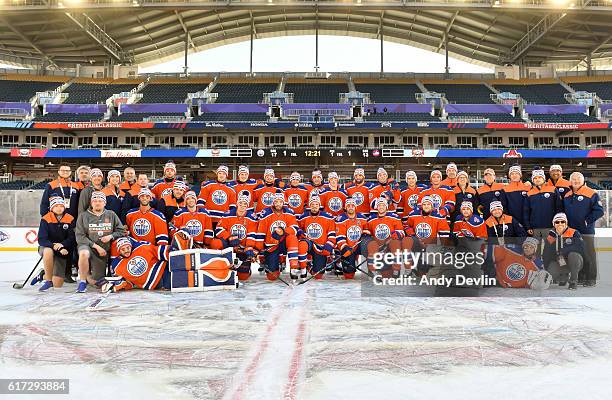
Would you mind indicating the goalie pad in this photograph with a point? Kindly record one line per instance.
(182, 240)
(539, 280)
(202, 269)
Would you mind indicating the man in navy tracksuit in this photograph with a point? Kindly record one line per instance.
(489, 192)
(584, 208)
(516, 193)
(56, 242)
(542, 203)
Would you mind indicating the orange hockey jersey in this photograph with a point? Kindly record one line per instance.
(443, 199)
(427, 227)
(246, 188)
(198, 224)
(409, 200)
(217, 198)
(144, 267)
(268, 221)
(297, 198)
(350, 230)
(361, 194)
(389, 189)
(382, 228)
(512, 269)
(163, 187)
(473, 226)
(319, 229)
(264, 195)
(245, 228)
(332, 201)
(147, 226)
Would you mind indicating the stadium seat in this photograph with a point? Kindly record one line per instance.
(389, 92)
(243, 92)
(537, 94)
(397, 117)
(91, 93)
(169, 92)
(40, 185)
(138, 117)
(495, 117)
(232, 116)
(15, 185)
(463, 93)
(558, 118)
(316, 92)
(24, 90)
(603, 89)
(70, 117)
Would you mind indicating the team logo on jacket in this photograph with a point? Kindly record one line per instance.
(194, 227)
(497, 193)
(353, 233)
(437, 201)
(382, 232)
(142, 227)
(294, 200)
(516, 272)
(166, 192)
(335, 204)
(580, 198)
(524, 193)
(65, 227)
(358, 197)
(413, 200)
(277, 224)
(267, 199)
(469, 196)
(245, 193)
(547, 195)
(561, 190)
(137, 266)
(219, 197)
(238, 231)
(314, 231)
(423, 230)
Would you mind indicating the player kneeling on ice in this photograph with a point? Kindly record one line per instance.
(516, 270)
(194, 221)
(351, 228)
(277, 235)
(317, 238)
(141, 265)
(238, 229)
(56, 242)
(563, 252)
(387, 236)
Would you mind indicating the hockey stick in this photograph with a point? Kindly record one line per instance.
(18, 285)
(320, 271)
(278, 277)
(95, 305)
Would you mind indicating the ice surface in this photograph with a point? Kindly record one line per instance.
(321, 340)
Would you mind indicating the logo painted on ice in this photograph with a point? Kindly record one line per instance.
(194, 227)
(4, 236)
(382, 232)
(335, 204)
(295, 200)
(277, 224)
(358, 197)
(267, 199)
(314, 231)
(423, 230)
(137, 266)
(238, 231)
(516, 272)
(353, 233)
(219, 197)
(142, 227)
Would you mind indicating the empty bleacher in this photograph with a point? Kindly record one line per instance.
(139, 117)
(398, 117)
(243, 92)
(15, 185)
(70, 117)
(170, 92)
(550, 93)
(493, 117)
(462, 93)
(93, 93)
(389, 92)
(40, 185)
(603, 89)
(13, 90)
(316, 92)
(231, 116)
(562, 118)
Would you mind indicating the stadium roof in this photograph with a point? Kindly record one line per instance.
(62, 33)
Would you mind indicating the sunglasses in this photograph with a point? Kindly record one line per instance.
(560, 222)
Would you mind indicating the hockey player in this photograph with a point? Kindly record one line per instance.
(556, 179)
(114, 195)
(427, 224)
(443, 197)
(410, 196)
(490, 191)
(316, 183)
(170, 203)
(359, 191)
(384, 187)
(236, 230)
(195, 221)
(245, 186)
(542, 203)
(217, 196)
(141, 265)
(464, 192)
(387, 235)
(469, 224)
(95, 230)
(56, 243)
(277, 231)
(563, 252)
(516, 270)
(296, 194)
(503, 229)
(62, 187)
(129, 179)
(451, 176)
(317, 238)
(350, 229)
(516, 193)
(96, 179)
(265, 191)
(146, 224)
(130, 198)
(333, 196)
(163, 187)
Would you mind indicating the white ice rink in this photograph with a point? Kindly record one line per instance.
(320, 340)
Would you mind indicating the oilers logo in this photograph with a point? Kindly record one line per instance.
(516, 272)
(335, 204)
(137, 266)
(353, 233)
(295, 200)
(194, 227)
(142, 227)
(267, 199)
(166, 192)
(314, 231)
(219, 197)
(239, 231)
(437, 201)
(314, 192)
(382, 232)
(413, 200)
(358, 197)
(423, 230)
(277, 224)
(245, 193)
